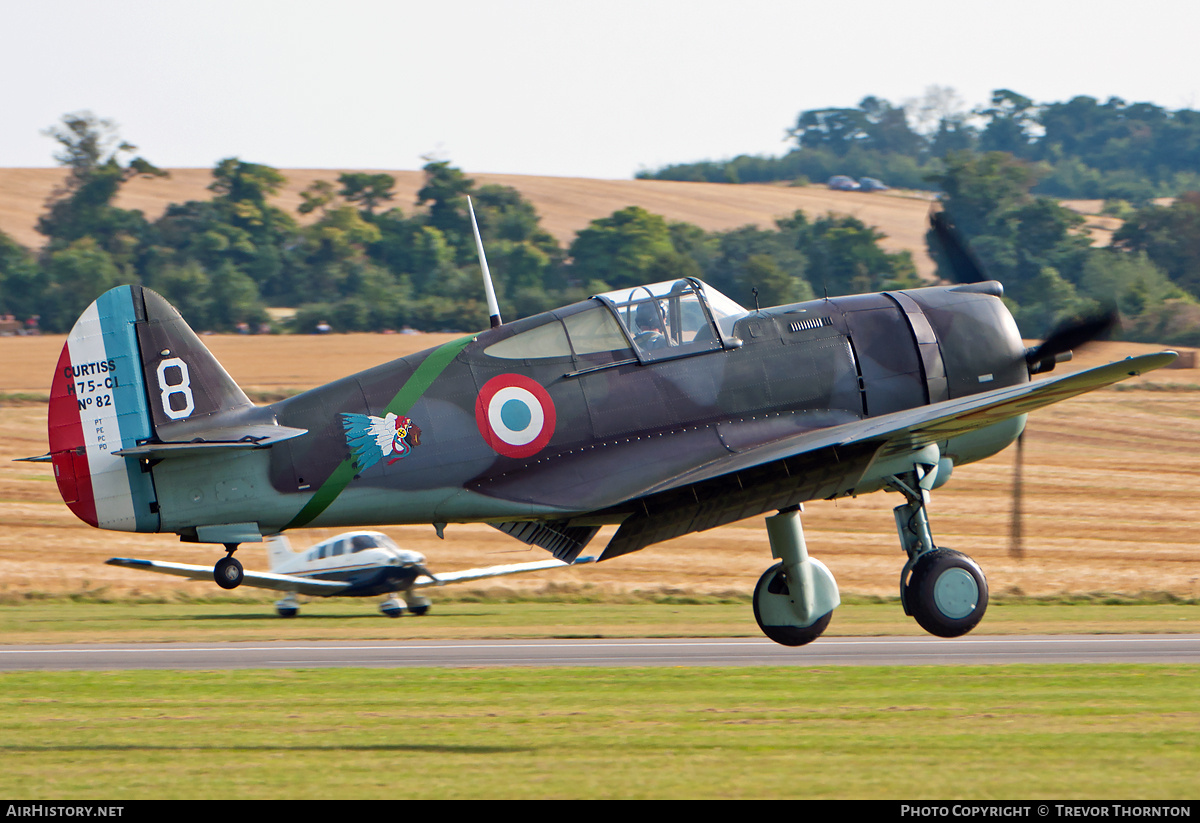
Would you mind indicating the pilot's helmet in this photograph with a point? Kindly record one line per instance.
(646, 316)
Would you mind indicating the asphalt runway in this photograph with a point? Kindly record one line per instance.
(833, 651)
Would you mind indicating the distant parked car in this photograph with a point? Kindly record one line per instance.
(840, 182)
(871, 184)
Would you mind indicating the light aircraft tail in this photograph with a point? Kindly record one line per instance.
(133, 382)
(279, 549)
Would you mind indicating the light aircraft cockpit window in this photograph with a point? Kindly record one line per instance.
(360, 542)
(674, 318)
(546, 340)
(594, 331)
(338, 548)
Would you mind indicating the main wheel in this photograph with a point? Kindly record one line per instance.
(418, 610)
(946, 593)
(228, 572)
(774, 615)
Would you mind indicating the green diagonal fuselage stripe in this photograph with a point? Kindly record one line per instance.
(409, 394)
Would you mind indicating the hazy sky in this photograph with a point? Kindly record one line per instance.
(555, 87)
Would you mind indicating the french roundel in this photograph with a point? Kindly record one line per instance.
(515, 415)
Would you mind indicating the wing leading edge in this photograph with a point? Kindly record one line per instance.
(913, 429)
(259, 580)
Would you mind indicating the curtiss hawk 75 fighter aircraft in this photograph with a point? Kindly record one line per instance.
(664, 409)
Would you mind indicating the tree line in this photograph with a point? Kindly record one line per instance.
(1081, 148)
(362, 263)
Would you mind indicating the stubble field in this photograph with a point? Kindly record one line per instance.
(1110, 498)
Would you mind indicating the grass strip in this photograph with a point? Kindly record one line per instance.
(1054, 732)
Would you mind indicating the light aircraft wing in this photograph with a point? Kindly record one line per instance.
(261, 580)
(493, 571)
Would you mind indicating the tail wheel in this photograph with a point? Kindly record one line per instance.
(773, 611)
(946, 593)
(228, 572)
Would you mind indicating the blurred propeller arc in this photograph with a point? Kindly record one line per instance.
(1056, 348)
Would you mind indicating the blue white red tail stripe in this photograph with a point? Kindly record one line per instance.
(97, 407)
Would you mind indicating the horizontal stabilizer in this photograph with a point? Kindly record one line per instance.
(227, 438)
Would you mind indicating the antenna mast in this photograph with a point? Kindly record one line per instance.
(493, 306)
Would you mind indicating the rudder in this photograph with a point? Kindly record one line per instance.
(98, 406)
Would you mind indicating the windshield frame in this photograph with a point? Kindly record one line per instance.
(623, 303)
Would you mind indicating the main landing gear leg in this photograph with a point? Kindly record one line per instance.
(794, 599)
(944, 590)
(228, 571)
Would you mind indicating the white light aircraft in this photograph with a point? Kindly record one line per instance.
(354, 564)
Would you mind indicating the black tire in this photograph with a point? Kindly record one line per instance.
(228, 572)
(287, 612)
(774, 583)
(418, 610)
(946, 593)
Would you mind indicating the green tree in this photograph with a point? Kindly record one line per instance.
(844, 257)
(82, 206)
(21, 280)
(77, 274)
(446, 189)
(1011, 121)
(1169, 236)
(367, 191)
(621, 249)
(775, 286)
(730, 269)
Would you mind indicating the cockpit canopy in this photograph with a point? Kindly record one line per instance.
(351, 544)
(678, 316)
(657, 321)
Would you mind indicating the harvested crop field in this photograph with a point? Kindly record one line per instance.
(1110, 497)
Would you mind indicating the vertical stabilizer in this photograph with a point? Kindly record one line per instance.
(279, 551)
(186, 386)
(131, 373)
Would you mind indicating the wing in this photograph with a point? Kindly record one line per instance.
(911, 429)
(489, 571)
(260, 580)
(668, 484)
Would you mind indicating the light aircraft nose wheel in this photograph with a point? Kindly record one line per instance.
(773, 611)
(946, 593)
(228, 572)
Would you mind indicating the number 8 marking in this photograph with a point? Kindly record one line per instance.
(183, 387)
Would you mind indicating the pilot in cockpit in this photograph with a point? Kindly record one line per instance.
(650, 331)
